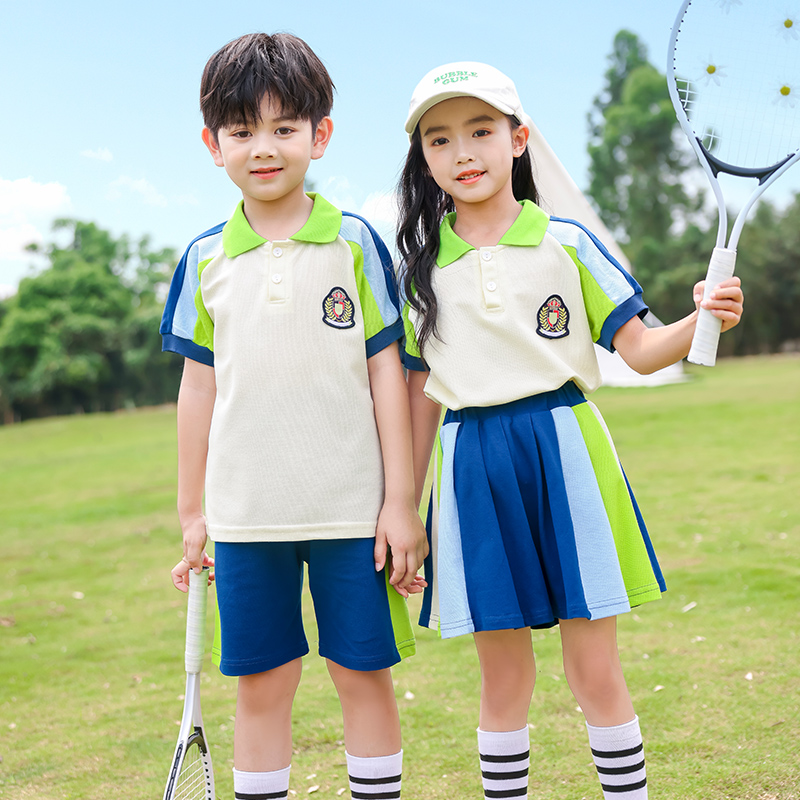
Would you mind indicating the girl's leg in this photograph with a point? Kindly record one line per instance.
(594, 673)
(262, 737)
(371, 731)
(508, 674)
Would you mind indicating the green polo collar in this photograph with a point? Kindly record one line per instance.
(322, 226)
(527, 230)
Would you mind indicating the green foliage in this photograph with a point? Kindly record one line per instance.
(92, 631)
(635, 168)
(639, 173)
(83, 334)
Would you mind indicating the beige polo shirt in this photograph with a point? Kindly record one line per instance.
(288, 327)
(520, 318)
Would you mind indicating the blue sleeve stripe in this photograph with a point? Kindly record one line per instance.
(615, 282)
(180, 313)
(412, 362)
(378, 266)
(387, 336)
(186, 348)
(631, 308)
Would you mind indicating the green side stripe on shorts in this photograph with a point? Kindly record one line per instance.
(216, 648)
(637, 572)
(404, 638)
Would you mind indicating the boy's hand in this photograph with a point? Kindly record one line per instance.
(725, 302)
(194, 555)
(401, 545)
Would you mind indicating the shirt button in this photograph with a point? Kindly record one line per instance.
(277, 252)
(491, 286)
(277, 278)
(486, 256)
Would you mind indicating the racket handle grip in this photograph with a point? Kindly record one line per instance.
(706, 333)
(196, 620)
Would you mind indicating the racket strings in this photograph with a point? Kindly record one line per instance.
(738, 80)
(193, 779)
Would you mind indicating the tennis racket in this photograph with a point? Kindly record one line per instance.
(191, 776)
(734, 79)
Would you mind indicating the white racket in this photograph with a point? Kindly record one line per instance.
(734, 79)
(191, 776)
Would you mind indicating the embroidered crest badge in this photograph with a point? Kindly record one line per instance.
(553, 318)
(337, 309)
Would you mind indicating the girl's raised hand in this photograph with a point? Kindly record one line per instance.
(725, 302)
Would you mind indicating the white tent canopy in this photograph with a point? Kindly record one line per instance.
(560, 196)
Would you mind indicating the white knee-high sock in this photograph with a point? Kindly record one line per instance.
(505, 761)
(377, 777)
(261, 785)
(618, 754)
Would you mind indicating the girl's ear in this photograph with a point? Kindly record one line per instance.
(322, 136)
(210, 141)
(519, 139)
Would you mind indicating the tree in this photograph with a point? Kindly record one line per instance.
(638, 163)
(66, 336)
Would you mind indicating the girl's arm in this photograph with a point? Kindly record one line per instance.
(195, 405)
(647, 350)
(425, 415)
(399, 525)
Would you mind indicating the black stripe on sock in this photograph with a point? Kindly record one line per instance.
(520, 792)
(618, 753)
(262, 795)
(627, 787)
(375, 781)
(504, 776)
(621, 770)
(393, 795)
(505, 759)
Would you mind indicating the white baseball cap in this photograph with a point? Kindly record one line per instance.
(464, 79)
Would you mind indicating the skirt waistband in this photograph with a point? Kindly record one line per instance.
(567, 395)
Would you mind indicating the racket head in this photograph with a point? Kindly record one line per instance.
(734, 78)
(192, 776)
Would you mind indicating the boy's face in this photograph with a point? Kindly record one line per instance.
(268, 160)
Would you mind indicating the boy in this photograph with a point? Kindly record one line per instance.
(293, 412)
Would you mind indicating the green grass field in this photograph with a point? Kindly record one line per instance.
(91, 630)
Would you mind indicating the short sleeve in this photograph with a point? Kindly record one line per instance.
(186, 328)
(611, 295)
(410, 352)
(377, 290)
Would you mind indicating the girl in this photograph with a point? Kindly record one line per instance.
(532, 521)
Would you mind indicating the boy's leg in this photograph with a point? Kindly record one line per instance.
(358, 639)
(371, 731)
(261, 636)
(262, 737)
(508, 675)
(594, 673)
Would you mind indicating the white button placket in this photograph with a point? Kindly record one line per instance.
(489, 286)
(278, 276)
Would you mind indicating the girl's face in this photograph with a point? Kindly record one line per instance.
(470, 147)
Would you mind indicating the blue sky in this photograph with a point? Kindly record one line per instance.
(100, 99)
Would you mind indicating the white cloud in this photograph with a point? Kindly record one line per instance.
(136, 186)
(24, 197)
(101, 154)
(27, 210)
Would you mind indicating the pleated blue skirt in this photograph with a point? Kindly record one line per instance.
(532, 520)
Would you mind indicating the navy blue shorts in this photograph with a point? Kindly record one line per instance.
(259, 588)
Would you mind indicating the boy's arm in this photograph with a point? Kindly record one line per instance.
(425, 416)
(649, 349)
(399, 524)
(195, 405)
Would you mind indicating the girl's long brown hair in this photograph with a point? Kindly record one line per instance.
(423, 206)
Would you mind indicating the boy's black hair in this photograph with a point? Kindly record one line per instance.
(280, 66)
(423, 206)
